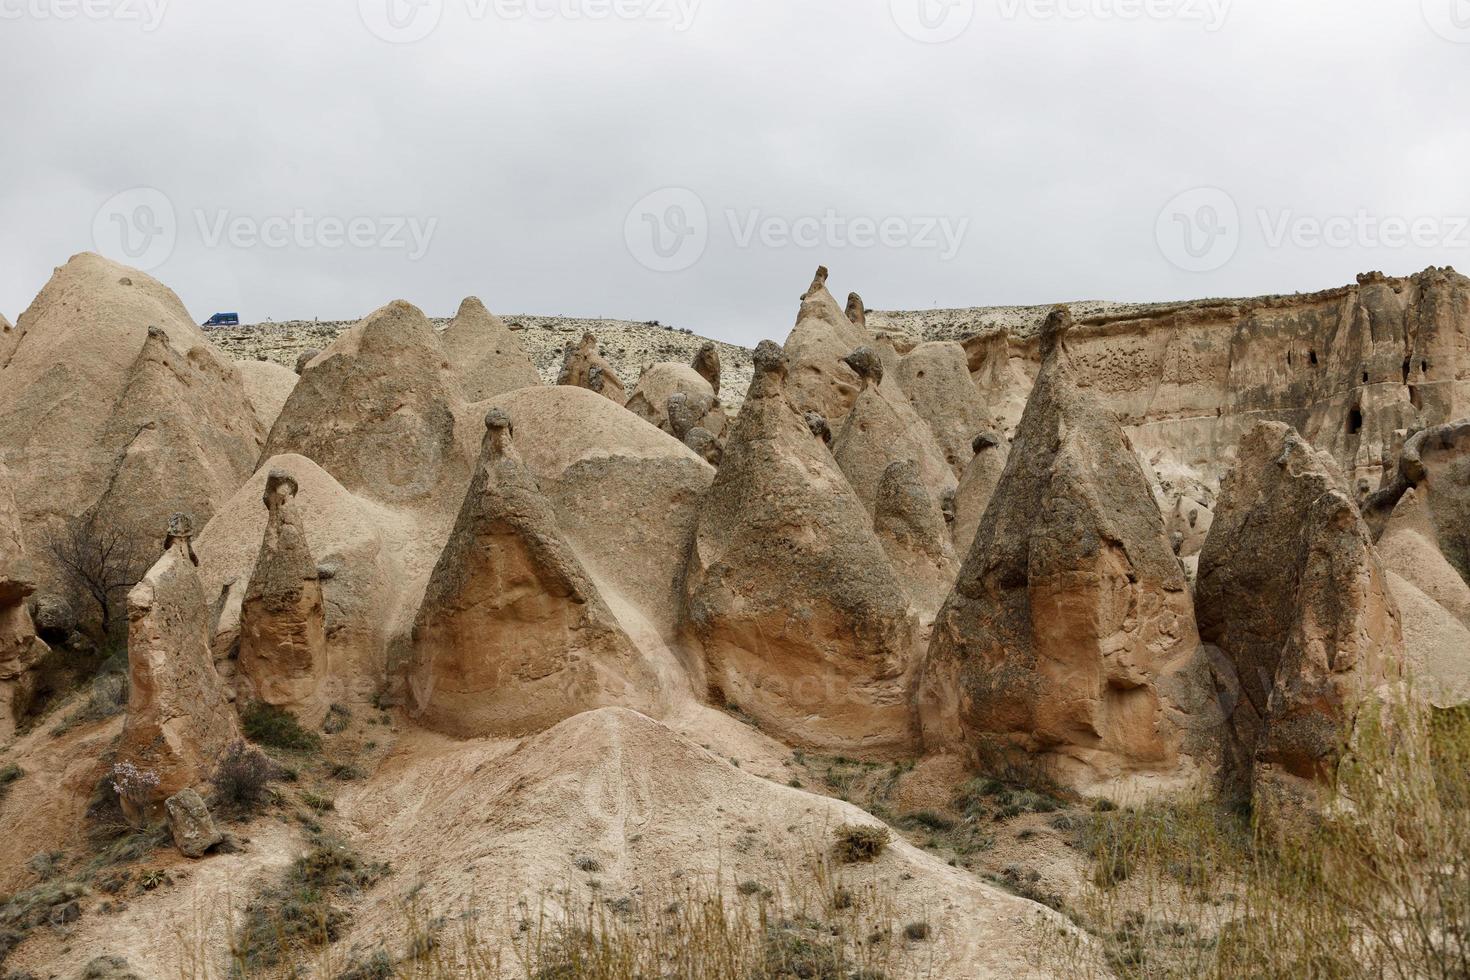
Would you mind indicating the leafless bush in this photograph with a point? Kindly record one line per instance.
(100, 559)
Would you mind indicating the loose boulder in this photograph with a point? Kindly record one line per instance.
(1070, 635)
(788, 591)
(190, 824)
(513, 636)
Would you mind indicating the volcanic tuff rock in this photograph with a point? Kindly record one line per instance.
(788, 591)
(706, 364)
(485, 353)
(268, 386)
(283, 641)
(976, 487)
(1070, 632)
(585, 367)
(368, 560)
(1291, 589)
(513, 635)
(662, 382)
(179, 720)
(883, 428)
(20, 648)
(823, 336)
(936, 378)
(910, 524)
(111, 398)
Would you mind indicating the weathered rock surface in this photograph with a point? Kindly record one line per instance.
(910, 524)
(112, 399)
(179, 720)
(368, 556)
(583, 366)
(20, 648)
(513, 635)
(823, 336)
(190, 824)
(976, 487)
(800, 616)
(698, 406)
(1070, 633)
(883, 428)
(485, 353)
(936, 378)
(283, 640)
(1291, 590)
(377, 411)
(268, 386)
(706, 364)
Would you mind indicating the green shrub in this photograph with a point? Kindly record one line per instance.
(8, 775)
(277, 728)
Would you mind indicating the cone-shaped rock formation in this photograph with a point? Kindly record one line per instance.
(485, 354)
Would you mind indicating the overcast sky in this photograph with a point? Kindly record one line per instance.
(692, 161)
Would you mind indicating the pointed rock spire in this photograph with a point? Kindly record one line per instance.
(513, 635)
(485, 354)
(283, 642)
(179, 718)
(583, 366)
(1070, 633)
(822, 337)
(789, 592)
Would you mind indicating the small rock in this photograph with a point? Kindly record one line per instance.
(192, 827)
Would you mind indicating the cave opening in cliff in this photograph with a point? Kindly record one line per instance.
(1355, 421)
(1312, 356)
(1408, 366)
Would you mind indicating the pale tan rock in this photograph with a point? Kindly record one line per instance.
(789, 593)
(8, 338)
(823, 336)
(1292, 591)
(911, 527)
(661, 382)
(268, 386)
(20, 649)
(513, 635)
(706, 364)
(881, 429)
(1189, 524)
(626, 497)
(485, 354)
(1409, 548)
(977, 486)
(370, 558)
(583, 366)
(179, 721)
(857, 313)
(377, 411)
(1436, 645)
(113, 400)
(305, 358)
(283, 641)
(936, 379)
(190, 824)
(1070, 634)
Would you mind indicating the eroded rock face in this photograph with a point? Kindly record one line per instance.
(1291, 590)
(377, 411)
(113, 401)
(283, 642)
(789, 593)
(883, 428)
(823, 337)
(20, 648)
(1436, 463)
(583, 366)
(697, 404)
(911, 526)
(179, 720)
(485, 353)
(936, 378)
(1070, 633)
(977, 486)
(707, 365)
(513, 635)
